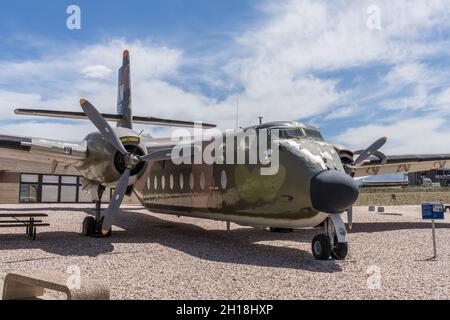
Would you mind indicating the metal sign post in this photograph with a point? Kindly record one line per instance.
(433, 227)
(433, 211)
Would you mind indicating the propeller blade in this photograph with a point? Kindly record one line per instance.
(350, 218)
(114, 206)
(370, 151)
(102, 125)
(160, 155)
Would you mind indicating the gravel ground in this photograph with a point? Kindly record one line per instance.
(164, 257)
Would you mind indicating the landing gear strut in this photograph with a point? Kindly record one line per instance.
(334, 242)
(92, 227)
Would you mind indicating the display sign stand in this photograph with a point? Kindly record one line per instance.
(433, 211)
(433, 227)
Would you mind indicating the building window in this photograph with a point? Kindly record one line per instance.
(69, 180)
(50, 194)
(68, 194)
(50, 179)
(29, 178)
(35, 188)
(29, 192)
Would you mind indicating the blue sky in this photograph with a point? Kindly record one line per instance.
(173, 22)
(313, 61)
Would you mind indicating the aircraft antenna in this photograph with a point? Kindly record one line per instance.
(260, 120)
(237, 112)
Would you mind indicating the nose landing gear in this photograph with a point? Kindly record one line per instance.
(334, 242)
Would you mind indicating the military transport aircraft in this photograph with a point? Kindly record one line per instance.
(313, 187)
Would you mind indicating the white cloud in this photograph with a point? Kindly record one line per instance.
(414, 135)
(409, 73)
(419, 99)
(59, 81)
(343, 112)
(99, 72)
(318, 35)
(278, 64)
(442, 100)
(301, 39)
(423, 81)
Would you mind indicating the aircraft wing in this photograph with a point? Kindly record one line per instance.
(403, 164)
(111, 117)
(42, 150)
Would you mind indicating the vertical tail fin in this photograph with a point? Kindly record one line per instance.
(124, 107)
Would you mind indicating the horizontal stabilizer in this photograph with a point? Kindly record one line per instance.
(110, 117)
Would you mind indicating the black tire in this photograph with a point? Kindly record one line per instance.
(321, 247)
(89, 226)
(281, 230)
(340, 251)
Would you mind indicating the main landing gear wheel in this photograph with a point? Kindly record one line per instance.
(339, 251)
(321, 247)
(334, 242)
(89, 227)
(92, 229)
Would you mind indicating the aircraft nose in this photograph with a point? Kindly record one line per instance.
(333, 192)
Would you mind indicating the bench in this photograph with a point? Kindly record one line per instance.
(31, 285)
(19, 220)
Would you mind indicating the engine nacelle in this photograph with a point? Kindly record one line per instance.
(104, 164)
(346, 155)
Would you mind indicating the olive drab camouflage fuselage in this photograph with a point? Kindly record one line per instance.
(238, 192)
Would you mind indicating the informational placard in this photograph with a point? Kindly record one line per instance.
(433, 211)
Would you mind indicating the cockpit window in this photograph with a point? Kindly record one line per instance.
(290, 133)
(315, 134)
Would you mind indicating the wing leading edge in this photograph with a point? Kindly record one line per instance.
(403, 164)
(36, 149)
(111, 117)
